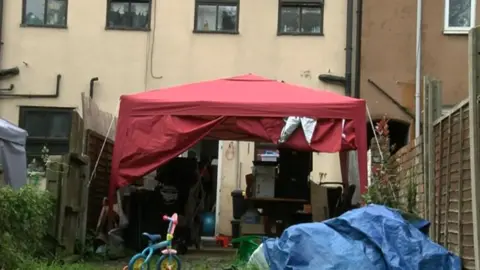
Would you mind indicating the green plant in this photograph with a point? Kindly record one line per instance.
(385, 188)
(25, 216)
(41, 164)
(411, 206)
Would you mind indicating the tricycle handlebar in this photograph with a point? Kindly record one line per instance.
(173, 218)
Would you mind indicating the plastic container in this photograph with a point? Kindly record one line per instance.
(269, 156)
(251, 216)
(238, 203)
(208, 224)
(235, 231)
(247, 245)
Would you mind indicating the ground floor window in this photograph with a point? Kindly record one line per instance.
(47, 127)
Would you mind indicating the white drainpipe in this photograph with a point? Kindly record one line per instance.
(418, 73)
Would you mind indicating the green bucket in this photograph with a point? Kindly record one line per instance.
(247, 245)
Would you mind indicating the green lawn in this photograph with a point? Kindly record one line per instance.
(196, 261)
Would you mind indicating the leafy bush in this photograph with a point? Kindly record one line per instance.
(25, 216)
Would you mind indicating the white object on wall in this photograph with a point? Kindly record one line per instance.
(327, 171)
(219, 187)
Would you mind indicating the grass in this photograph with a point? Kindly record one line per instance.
(197, 263)
(198, 260)
(74, 266)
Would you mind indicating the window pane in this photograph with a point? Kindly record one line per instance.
(60, 125)
(56, 12)
(139, 12)
(290, 20)
(311, 19)
(206, 17)
(459, 13)
(34, 12)
(227, 18)
(36, 124)
(118, 14)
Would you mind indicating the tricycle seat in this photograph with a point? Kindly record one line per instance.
(152, 237)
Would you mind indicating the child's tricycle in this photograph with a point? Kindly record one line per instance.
(168, 260)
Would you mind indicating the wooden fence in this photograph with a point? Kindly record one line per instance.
(99, 185)
(451, 164)
(95, 119)
(99, 133)
(439, 164)
(451, 203)
(66, 178)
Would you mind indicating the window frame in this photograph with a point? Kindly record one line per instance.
(217, 4)
(44, 25)
(23, 113)
(453, 30)
(300, 4)
(149, 19)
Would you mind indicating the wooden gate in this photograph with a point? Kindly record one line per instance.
(100, 183)
(67, 177)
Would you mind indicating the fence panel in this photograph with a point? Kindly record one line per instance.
(452, 208)
(99, 185)
(66, 179)
(100, 129)
(453, 192)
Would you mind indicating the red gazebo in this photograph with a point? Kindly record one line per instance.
(156, 126)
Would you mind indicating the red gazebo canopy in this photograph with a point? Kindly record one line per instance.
(156, 126)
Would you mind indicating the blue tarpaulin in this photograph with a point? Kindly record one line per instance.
(371, 237)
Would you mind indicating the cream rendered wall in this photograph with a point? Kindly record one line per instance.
(121, 59)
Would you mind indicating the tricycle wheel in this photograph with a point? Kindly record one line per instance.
(169, 262)
(137, 261)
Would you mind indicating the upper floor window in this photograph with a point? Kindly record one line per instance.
(459, 16)
(216, 16)
(48, 13)
(129, 14)
(300, 17)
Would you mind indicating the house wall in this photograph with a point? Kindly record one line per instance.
(121, 59)
(388, 55)
(445, 57)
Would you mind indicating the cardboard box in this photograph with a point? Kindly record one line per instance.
(257, 229)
